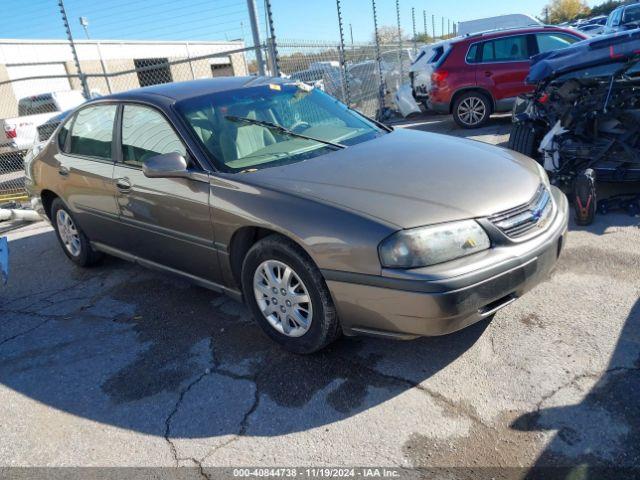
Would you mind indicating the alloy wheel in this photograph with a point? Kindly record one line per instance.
(471, 111)
(68, 233)
(283, 298)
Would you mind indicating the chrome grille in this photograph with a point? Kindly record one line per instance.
(521, 220)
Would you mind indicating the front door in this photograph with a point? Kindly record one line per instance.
(163, 220)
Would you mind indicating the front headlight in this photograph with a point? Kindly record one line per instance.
(423, 246)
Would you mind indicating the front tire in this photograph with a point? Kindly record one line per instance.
(288, 296)
(73, 241)
(472, 110)
(524, 139)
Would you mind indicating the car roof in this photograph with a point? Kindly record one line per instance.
(177, 91)
(504, 32)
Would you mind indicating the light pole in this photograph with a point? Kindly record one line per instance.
(84, 21)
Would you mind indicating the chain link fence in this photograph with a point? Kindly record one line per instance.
(36, 96)
(41, 80)
(358, 78)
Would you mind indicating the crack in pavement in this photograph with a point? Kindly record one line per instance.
(440, 399)
(25, 332)
(167, 422)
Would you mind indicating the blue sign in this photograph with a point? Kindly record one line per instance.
(4, 260)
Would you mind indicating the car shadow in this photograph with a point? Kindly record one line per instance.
(126, 347)
(599, 435)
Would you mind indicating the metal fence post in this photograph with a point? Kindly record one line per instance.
(433, 26)
(424, 20)
(399, 40)
(104, 68)
(275, 61)
(379, 61)
(65, 20)
(253, 18)
(343, 63)
(413, 20)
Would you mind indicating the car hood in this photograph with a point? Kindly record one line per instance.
(408, 178)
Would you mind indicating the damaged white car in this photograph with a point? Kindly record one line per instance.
(583, 120)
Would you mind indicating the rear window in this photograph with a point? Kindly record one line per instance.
(35, 105)
(472, 54)
(631, 14)
(92, 131)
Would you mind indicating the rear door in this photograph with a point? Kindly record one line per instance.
(502, 68)
(85, 169)
(162, 220)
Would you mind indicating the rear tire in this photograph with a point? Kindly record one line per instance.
(315, 323)
(73, 241)
(524, 139)
(584, 197)
(472, 110)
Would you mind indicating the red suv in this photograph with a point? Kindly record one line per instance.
(484, 73)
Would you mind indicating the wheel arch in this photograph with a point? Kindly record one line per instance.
(475, 88)
(48, 196)
(246, 237)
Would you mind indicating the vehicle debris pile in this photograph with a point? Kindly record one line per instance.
(583, 119)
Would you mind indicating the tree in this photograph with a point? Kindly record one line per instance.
(559, 11)
(389, 34)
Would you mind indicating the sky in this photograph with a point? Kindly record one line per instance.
(228, 19)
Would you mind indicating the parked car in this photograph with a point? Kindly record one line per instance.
(592, 30)
(625, 17)
(478, 75)
(20, 133)
(582, 120)
(422, 67)
(324, 221)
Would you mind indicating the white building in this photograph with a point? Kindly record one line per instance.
(120, 65)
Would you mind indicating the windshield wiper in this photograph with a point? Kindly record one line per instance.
(281, 129)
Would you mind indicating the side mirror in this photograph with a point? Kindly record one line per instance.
(168, 165)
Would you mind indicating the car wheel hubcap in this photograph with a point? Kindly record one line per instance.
(283, 298)
(68, 233)
(471, 111)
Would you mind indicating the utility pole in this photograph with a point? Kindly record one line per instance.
(351, 33)
(253, 18)
(448, 26)
(442, 28)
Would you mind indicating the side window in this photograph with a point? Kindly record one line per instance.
(472, 54)
(63, 134)
(508, 49)
(92, 131)
(554, 41)
(146, 133)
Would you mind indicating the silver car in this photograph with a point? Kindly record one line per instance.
(324, 221)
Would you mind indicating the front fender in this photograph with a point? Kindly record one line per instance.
(335, 238)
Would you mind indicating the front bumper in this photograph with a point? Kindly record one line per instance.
(426, 304)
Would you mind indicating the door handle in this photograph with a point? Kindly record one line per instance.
(123, 184)
(488, 73)
(64, 171)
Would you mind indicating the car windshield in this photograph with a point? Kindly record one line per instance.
(264, 126)
(631, 14)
